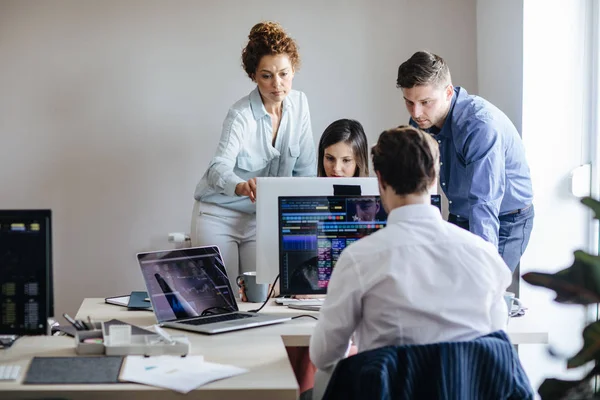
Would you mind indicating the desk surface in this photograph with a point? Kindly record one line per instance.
(294, 333)
(260, 350)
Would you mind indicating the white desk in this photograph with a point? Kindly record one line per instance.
(294, 333)
(260, 350)
(298, 332)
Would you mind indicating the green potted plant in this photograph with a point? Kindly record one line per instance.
(577, 284)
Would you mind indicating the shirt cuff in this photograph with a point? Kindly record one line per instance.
(230, 186)
(347, 352)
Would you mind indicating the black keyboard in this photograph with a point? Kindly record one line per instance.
(216, 318)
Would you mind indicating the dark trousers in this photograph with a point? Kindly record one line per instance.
(513, 236)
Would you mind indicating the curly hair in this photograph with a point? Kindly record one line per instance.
(268, 38)
(407, 159)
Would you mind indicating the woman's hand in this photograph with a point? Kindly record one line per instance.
(247, 188)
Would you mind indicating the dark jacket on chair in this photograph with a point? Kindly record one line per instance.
(487, 368)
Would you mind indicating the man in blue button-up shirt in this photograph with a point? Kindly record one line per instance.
(484, 172)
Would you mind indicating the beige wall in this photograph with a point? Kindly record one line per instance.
(111, 110)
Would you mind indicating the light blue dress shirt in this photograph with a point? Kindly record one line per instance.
(245, 149)
(483, 169)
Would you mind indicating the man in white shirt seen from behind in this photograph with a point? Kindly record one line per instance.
(420, 279)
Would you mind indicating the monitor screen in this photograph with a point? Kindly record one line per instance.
(313, 231)
(26, 295)
(436, 200)
(184, 283)
(267, 225)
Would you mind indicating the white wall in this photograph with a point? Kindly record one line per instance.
(555, 99)
(110, 110)
(533, 63)
(500, 55)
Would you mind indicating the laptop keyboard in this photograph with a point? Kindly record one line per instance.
(216, 318)
(304, 302)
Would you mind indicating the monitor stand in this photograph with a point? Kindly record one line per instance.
(346, 190)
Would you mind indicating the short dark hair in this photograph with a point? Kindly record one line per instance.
(407, 159)
(268, 38)
(351, 132)
(423, 68)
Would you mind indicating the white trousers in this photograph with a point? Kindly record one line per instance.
(234, 232)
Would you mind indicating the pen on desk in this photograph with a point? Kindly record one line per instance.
(75, 324)
(163, 334)
(92, 324)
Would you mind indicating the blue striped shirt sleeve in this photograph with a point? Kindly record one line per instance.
(484, 160)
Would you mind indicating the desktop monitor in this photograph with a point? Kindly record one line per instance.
(313, 232)
(268, 191)
(26, 290)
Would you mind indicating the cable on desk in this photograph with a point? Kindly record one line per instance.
(214, 310)
(268, 297)
(305, 315)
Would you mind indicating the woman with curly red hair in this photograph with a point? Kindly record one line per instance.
(266, 133)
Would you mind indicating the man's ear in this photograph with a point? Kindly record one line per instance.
(382, 185)
(449, 92)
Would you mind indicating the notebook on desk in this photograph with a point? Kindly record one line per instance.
(189, 290)
(137, 300)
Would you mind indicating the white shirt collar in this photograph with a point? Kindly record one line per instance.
(414, 212)
(258, 108)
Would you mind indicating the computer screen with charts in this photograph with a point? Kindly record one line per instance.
(268, 191)
(184, 283)
(26, 295)
(314, 230)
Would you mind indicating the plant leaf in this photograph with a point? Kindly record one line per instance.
(556, 389)
(577, 284)
(593, 204)
(591, 346)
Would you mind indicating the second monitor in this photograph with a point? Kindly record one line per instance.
(26, 295)
(313, 231)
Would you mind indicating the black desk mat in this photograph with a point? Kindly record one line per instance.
(74, 370)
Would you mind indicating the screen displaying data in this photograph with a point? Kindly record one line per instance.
(313, 232)
(26, 271)
(186, 283)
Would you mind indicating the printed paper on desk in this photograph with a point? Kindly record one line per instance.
(181, 374)
(118, 300)
(135, 365)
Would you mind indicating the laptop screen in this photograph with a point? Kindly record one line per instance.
(313, 231)
(184, 283)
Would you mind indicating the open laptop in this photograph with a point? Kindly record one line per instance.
(189, 290)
